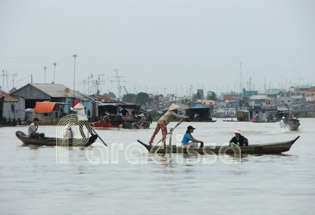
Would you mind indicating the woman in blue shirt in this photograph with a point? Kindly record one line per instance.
(189, 140)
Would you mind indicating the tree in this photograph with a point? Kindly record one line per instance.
(110, 95)
(211, 96)
(142, 98)
(130, 97)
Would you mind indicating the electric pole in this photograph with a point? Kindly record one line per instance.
(118, 81)
(55, 64)
(45, 73)
(74, 65)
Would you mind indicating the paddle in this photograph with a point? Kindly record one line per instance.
(98, 136)
(171, 131)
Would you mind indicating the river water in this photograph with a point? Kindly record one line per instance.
(124, 179)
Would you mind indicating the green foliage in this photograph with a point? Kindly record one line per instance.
(156, 98)
(142, 98)
(110, 95)
(303, 115)
(156, 118)
(211, 96)
(131, 98)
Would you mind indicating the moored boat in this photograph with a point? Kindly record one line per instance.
(271, 148)
(51, 141)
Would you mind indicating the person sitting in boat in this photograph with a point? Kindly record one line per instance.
(164, 121)
(282, 124)
(82, 118)
(188, 140)
(124, 112)
(32, 130)
(239, 139)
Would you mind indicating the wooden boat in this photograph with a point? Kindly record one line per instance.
(271, 148)
(261, 121)
(230, 120)
(50, 141)
(293, 124)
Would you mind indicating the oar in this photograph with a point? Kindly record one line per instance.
(98, 136)
(171, 131)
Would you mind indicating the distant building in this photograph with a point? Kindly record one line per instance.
(249, 93)
(200, 94)
(11, 108)
(102, 98)
(57, 93)
(232, 97)
(206, 102)
(310, 94)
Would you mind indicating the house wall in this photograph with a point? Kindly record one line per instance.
(18, 112)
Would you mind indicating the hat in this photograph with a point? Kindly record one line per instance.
(173, 107)
(79, 106)
(238, 131)
(283, 117)
(190, 127)
(68, 126)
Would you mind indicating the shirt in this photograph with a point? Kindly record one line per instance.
(32, 129)
(81, 114)
(186, 139)
(239, 141)
(169, 116)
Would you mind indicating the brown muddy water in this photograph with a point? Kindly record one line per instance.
(124, 179)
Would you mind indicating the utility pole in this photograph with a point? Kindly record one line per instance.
(74, 65)
(118, 81)
(265, 87)
(3, 79)
(45, 73)
(7, 77)
(13, 75)
(241, 78)
(55, 64)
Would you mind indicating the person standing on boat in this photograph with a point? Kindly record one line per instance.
(188, 140)
(82, 119)
(239, 139)
(68, 135)
(32, 130)
(164, 121)
(282, 124)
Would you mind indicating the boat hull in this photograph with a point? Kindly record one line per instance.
(55, 141)
(272, 148)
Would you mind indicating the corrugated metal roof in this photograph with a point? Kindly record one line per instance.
(58, 90)
(198, 106)
(7, 97)
(103, 98)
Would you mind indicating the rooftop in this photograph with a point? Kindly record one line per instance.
(7, 97)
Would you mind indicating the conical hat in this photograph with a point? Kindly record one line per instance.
(79, 106)
(173, 107)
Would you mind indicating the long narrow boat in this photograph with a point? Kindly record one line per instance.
(50, 141)
(271, 148)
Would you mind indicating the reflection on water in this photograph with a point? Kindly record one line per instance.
(125, 179)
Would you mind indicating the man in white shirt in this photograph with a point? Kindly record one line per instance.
(32, 130)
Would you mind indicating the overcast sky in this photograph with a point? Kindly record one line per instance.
(158, 44)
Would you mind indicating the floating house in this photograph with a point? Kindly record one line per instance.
(58, 95)
(199, 112)
(11, 109)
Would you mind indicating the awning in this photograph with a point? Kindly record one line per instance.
(44, 107)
